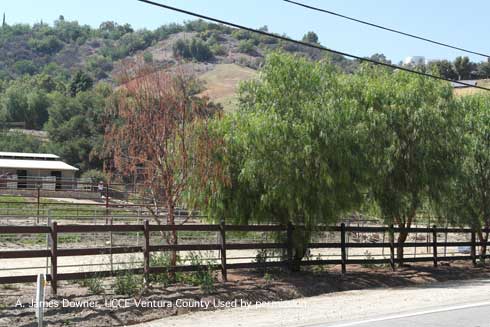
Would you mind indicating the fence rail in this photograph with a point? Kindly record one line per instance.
(55, 230)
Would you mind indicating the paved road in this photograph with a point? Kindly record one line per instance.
(468, 315)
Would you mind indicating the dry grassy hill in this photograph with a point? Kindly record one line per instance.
(222, 83)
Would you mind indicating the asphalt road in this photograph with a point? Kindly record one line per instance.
(468, 315)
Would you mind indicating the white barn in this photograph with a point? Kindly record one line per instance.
(28, 170)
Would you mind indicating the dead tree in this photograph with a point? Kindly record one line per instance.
(156, 123)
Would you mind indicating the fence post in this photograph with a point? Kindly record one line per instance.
(289, 245)
(106, 201)
(392, 247)
(222, 240)
(38, 186)
(434, 244)
(473, 247)
(54, 257)
(146, 251)
(342, 248)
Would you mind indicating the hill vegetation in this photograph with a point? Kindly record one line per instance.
(57, 78)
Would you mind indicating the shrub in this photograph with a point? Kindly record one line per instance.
(18, 142)
(205, 277)
(165, 30)
(268, 279)
(128, 284)
(200, 50)
(148, 57)
(198, 25)
(262, 257)
(246, 46)
(218, 50)
(161, 260)
(241, 34)
(48, 45)
(23, 67)
(181, 49)
(195, 49)
(94, 175)
(99, 66)
(93, 284)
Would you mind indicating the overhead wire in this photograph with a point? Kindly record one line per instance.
(425, 39)
(310, 45)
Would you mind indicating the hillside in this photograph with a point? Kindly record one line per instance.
(61, 49)
(221, 83)
(56, 78)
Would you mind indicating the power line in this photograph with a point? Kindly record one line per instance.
(387, 28)
(315, 46)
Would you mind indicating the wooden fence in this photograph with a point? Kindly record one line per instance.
(223, 246)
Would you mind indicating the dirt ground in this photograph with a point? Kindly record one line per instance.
(249, 286)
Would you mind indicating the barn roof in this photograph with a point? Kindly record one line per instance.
(36, 164)
(45, 161)
(28, 155)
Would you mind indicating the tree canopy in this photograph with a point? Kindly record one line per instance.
(293, 149)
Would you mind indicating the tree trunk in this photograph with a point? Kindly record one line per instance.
(172, 240)
(402, 237)
(483, 237)
(296, 266)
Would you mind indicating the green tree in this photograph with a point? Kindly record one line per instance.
(246, 46)
(194, 49)
(413, 151)
(469, 199)
(443, 68)
(483, 70)
(99, 66)
(23, 103)
(310, 37)
(19, 142)
(380, 58)
(292, 152)
(47, 45)
(463, 67)
(23, 67)
(76, 127)
(80, 82)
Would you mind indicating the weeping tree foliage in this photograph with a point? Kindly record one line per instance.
(469, 199)
(413, 143)
(293, 150)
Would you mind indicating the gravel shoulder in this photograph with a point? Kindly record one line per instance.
(275, 299)
(337, 307)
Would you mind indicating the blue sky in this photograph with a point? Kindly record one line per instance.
(461, 23)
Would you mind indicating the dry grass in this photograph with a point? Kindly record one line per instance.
(471, 90)
(222, 83)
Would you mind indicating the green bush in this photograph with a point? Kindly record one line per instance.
(23, 67)
(128, 284)
(148, 57)
(241, 34)
(93, 284)
(205, 277)
(195, 49)
(48, 45)
(246, 46)
(161, 260)
(218, 50)
(18, 142)
(94, 175)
